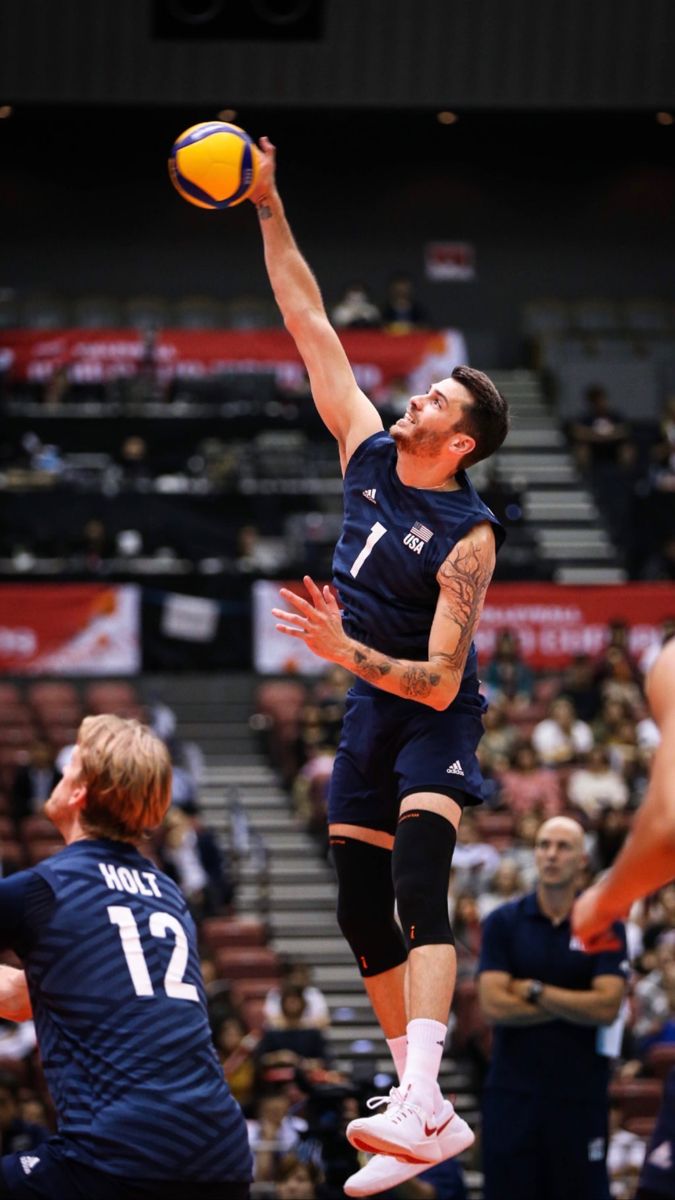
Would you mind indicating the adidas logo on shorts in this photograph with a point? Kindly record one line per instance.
(455, 768)
(28, 1161)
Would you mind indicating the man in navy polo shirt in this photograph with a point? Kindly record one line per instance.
(545, 1099)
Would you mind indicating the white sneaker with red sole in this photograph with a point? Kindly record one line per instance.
(408, 1133)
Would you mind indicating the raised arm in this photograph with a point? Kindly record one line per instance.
(646, 861)
(463, 580)
(343, 407)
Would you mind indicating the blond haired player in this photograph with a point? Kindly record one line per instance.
(111, 975)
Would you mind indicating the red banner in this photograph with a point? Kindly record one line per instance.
(69, 629)
(553, 622)
(556, 621)
(96, 355)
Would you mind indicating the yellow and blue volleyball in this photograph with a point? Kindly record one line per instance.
(214, 165)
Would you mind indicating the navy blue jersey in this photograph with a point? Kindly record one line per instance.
(110, 954)
(393, 542)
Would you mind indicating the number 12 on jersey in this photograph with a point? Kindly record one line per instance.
(376, 532)
(160, 924)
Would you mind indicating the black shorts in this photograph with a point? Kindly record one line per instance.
(39, 1174)
(391, 748)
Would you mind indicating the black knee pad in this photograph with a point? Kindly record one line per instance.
(423, 851)
(365, 909)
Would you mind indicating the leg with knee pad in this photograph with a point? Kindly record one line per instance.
(423, 851)
(365, 910)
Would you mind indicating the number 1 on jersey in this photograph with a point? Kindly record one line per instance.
(376, 532)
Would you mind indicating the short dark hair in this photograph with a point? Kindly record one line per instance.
(487, 419)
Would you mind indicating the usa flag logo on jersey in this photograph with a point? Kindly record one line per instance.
(418, 537)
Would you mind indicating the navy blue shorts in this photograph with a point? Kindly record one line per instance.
(658, 1172)
(543, 1147)
(392, 747)
(40, 1174)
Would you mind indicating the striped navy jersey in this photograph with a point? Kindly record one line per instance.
(393, 542)
(110, 954)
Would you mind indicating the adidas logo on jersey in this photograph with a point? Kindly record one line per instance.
(28, 1161)
(455, 768)
(370, 495)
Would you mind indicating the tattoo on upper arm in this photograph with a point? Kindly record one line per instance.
(464, 577)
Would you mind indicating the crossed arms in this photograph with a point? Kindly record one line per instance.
(502, 999)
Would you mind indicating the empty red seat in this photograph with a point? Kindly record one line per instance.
(10, 693)
(660, 1059)
(115, 696)
(36, 827)
(243, 963)
(252, 989)
(636, 1097)
(42, 848)
(232, 931)
(50, 692)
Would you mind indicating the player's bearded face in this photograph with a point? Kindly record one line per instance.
(422, 432)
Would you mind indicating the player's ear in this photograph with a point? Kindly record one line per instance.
(78, 797)
(461, 443)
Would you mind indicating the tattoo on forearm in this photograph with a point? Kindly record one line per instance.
(464, 578)
(264, 211)
(419, 681)
(369, 670)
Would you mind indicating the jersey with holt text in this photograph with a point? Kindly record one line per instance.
(110, 954)
(393, 542)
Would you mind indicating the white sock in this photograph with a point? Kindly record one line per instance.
(398, 1047)
(426, 1040)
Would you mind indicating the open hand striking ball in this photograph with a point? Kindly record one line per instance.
(214, 165)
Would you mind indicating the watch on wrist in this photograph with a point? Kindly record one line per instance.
(534, 991)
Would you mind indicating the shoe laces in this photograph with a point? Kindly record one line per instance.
(398, 1107)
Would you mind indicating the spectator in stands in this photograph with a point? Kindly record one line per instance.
(650, 655)
(619, 640)
(608, 837)
(580, 685)
(273, 1133)
(527, 786)
(57, 387)
(548, 1002)
(506, 884)
(16, 1133)
(522, 850)
(257, 554)
(293, 1041)
(661, 564)
(355, 309)
(466, 927)
(34, 783)
(625, 1156)
(190, 854)
(507, 674)
(133, 458)
(660, 920)
(445, 1181)
(620, 682)
(236, 1046)
(310, 789)
(596, 785)
(295, 973)
(561, 738)
(298, 1179)
(498, 737)
(402, 311)
(654, 999)
(597, 435)
(474, 860)
(94, 548)
(612, 716)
